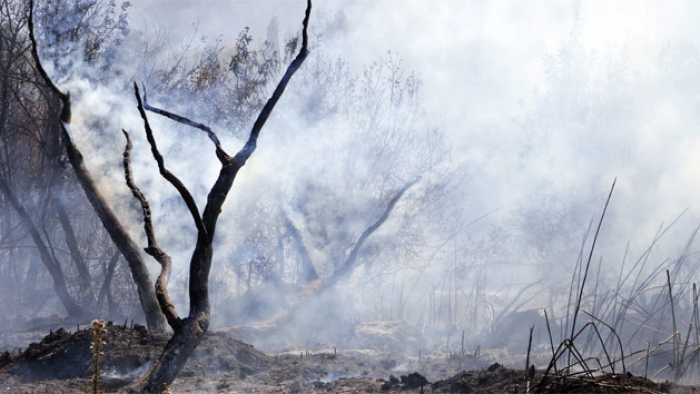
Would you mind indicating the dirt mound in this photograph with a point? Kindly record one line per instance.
(609, 383)
(128, 353)
(64, 355)
(497, 379)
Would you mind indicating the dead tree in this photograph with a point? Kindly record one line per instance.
(115, 229)
(189, 331)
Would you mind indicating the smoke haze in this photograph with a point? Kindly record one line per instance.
(524, 114)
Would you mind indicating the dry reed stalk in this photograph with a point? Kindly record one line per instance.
(99, 330)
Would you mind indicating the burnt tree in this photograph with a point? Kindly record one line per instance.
(119, 235)
(189, 331)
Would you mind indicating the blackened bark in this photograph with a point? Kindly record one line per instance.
(117, 232)
(153, 249)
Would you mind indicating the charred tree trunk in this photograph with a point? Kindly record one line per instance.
(115, 229)
(189, 331)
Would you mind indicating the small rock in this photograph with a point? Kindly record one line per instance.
(295, 387)
(318, 385)
(142, 330)
(223, 385)
(4, 359)
(415, 380)
(495, 367)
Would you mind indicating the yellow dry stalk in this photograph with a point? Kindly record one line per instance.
(99, 330)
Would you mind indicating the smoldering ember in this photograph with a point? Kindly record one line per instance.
(287, 197)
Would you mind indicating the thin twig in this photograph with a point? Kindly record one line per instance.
(184, 120)
(529, 348)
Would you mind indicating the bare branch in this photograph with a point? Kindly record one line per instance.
(64, 97)
(251, 144)
(145, 206)
(170, 177)
(186, 121)
(153, 249)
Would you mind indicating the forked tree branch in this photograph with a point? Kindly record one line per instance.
(166, 305)
(169, 176)
(320, 286)
(186, 338)
(64, 97)
(248, 149)
(230, 166)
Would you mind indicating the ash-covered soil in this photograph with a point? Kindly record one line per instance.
(62, 363)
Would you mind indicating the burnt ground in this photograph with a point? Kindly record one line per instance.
(61, 363)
